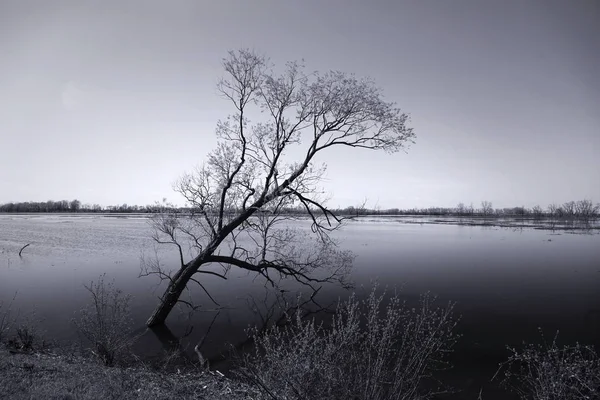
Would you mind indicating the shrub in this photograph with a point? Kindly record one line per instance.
(21, 332)
(25, 338)
(106, 322)
(374, 349)
(548, 372)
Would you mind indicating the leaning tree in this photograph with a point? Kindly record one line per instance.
(265, 172)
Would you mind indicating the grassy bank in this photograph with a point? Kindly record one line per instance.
(56, 374)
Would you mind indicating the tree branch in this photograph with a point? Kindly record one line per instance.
(205, 291)
(23, 248)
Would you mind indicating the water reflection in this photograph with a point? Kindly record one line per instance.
(508, 280)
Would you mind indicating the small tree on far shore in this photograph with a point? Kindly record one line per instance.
(537, 211)
(74, 205)
(569, 209)
(486, 208)
(585, 209)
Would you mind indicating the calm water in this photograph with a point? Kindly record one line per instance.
(507, 282)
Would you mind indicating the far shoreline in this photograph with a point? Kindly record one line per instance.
(503, 221)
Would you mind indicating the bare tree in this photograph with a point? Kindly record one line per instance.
(585, 209)
(537, 211)
(486, 208)
(239, 197)
(569, 208)
(470, 210)
(554, 210)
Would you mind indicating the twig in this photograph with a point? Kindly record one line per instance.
(201, 342)
(23, 248)
(296, 392)
(256, 380)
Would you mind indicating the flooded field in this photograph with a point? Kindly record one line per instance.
(508, 280)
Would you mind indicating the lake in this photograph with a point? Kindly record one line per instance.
(506, 281)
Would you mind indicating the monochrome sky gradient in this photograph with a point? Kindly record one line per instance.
(110, 101)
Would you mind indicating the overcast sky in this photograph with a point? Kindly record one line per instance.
(110, 101)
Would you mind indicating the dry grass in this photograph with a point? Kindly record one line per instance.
(23, 333)
(64, 376)
(375, 349)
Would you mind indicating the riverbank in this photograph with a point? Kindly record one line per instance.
(42, 372)
(60, 374)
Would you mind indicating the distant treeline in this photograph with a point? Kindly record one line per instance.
(52, 206)
(570, 209)
(573, 209)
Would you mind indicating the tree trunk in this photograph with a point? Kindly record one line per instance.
(170, 297)
(183, 276)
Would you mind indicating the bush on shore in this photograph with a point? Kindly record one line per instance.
(375, 349)
(106, 322)
(548, 372)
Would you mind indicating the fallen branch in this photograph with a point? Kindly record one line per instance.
(23, 248)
